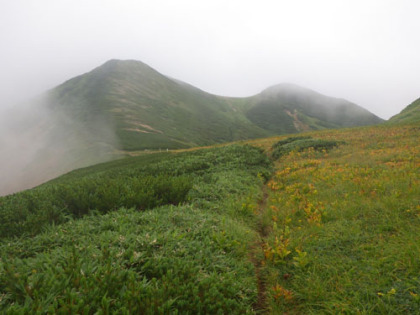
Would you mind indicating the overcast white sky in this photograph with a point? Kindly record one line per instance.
(366, 51)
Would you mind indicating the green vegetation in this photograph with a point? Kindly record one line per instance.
(288, 108)
(343, 226)
(147, 110)
(172, 259)
(29, 211)
(409, 115)
(270, 116)
(299, 144)
(150, 111)
(331, 228)
(184, 258)
(126, 106)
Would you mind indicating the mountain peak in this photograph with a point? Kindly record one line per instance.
(122, 65)
(115, 62)
(288, 88)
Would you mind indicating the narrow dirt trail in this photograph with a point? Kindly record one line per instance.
(257, 256)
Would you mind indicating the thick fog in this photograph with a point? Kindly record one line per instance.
(39, 143)
(364, 51)
(367, 52)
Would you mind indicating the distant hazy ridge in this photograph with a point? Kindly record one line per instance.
(127, 106)
(148, 110)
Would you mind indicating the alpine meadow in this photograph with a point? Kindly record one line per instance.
(142, 194)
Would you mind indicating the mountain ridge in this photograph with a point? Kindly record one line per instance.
(126, 105)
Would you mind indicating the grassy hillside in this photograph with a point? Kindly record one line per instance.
(147, 110)
(334, 231)
(150, 111)
(342, 224)
(126, 106)
(288, 108)
(410, 114)
(72, 246)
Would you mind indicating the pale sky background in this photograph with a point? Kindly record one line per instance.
(366, 51)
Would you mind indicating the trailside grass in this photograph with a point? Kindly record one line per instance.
(338, 224)
(345, 225)
(189, 257)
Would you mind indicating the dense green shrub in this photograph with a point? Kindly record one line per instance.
(29, 211)
(175, 259)
(300, 144)
(289, 140)
(143, 183)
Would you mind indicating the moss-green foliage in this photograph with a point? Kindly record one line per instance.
(143, 183)
(300, 144)
(171, 259)
(29, 211)
(188, 259)
(289, 140)
(131, 141)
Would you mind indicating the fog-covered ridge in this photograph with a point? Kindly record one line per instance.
(129, 106)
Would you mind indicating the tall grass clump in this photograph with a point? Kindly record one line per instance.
(29, 211)
(299, 144)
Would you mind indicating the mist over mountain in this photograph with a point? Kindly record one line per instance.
(40, 142)
(126, 106)
(288, 108)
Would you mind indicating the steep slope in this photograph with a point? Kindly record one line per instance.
(288, 108)
(410, 114)
(151, 111)
(148, 110)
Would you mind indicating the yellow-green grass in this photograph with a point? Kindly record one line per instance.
(338, 230)
(345, 225)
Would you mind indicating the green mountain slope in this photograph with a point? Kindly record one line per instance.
(410, 114)
(288, 108)
(125, 106)
(148, 110)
